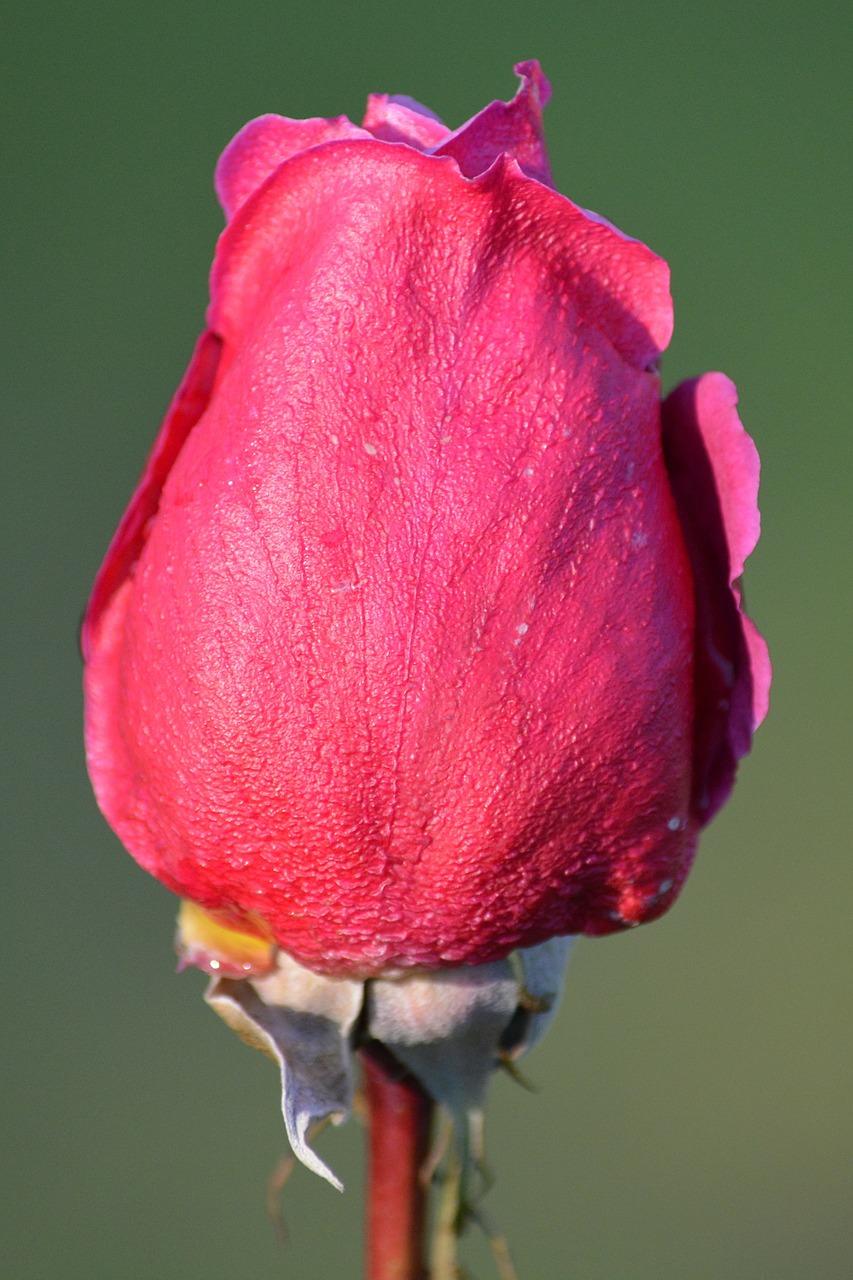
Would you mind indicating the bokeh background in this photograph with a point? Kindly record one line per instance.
(693, 1120)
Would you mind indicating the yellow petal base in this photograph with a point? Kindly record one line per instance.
(208, 942)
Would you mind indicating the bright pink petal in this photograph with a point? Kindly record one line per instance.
(714, 468)
(404, 667)
(421, 639)
(762, 671)
(400, 119)
(263, 144)
(617, 284)
(506, 128)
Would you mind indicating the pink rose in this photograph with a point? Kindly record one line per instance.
(421, 639)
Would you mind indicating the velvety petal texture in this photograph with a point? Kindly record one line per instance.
(418, 644)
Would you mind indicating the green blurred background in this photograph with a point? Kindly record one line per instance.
(694, 1113)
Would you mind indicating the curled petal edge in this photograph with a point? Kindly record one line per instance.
(713, 467)
(506, 128)
(266, 142)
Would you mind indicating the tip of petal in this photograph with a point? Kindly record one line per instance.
(762, 671)
(265, 143)
(735, 461)
(534, 81)
(512, 128)
(396, 118)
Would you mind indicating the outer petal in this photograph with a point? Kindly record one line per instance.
(511, 128)
(714, 468)
(263, 144)
(404, 665)
(617, 283)
(188, 405)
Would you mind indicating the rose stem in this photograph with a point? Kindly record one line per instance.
(399, 1113)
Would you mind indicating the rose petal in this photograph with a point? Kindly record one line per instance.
(397, 559)
(265, 143)
(506, 128)
(400, 119)
(713, 467)
(620, 285)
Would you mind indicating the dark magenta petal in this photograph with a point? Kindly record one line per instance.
(713, 465)
(506, 128)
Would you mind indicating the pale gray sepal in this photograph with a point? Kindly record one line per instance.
(450, 1026)
(541, 970)
(303, 1021)
(446, 1026)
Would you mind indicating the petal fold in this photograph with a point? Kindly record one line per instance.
(395, 118)
(506, 128)
(714, 470)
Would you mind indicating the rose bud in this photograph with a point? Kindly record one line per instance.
(421, 642)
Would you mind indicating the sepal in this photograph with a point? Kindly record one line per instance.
(304, 1022)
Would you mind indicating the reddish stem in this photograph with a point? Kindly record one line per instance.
(399, 1115)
